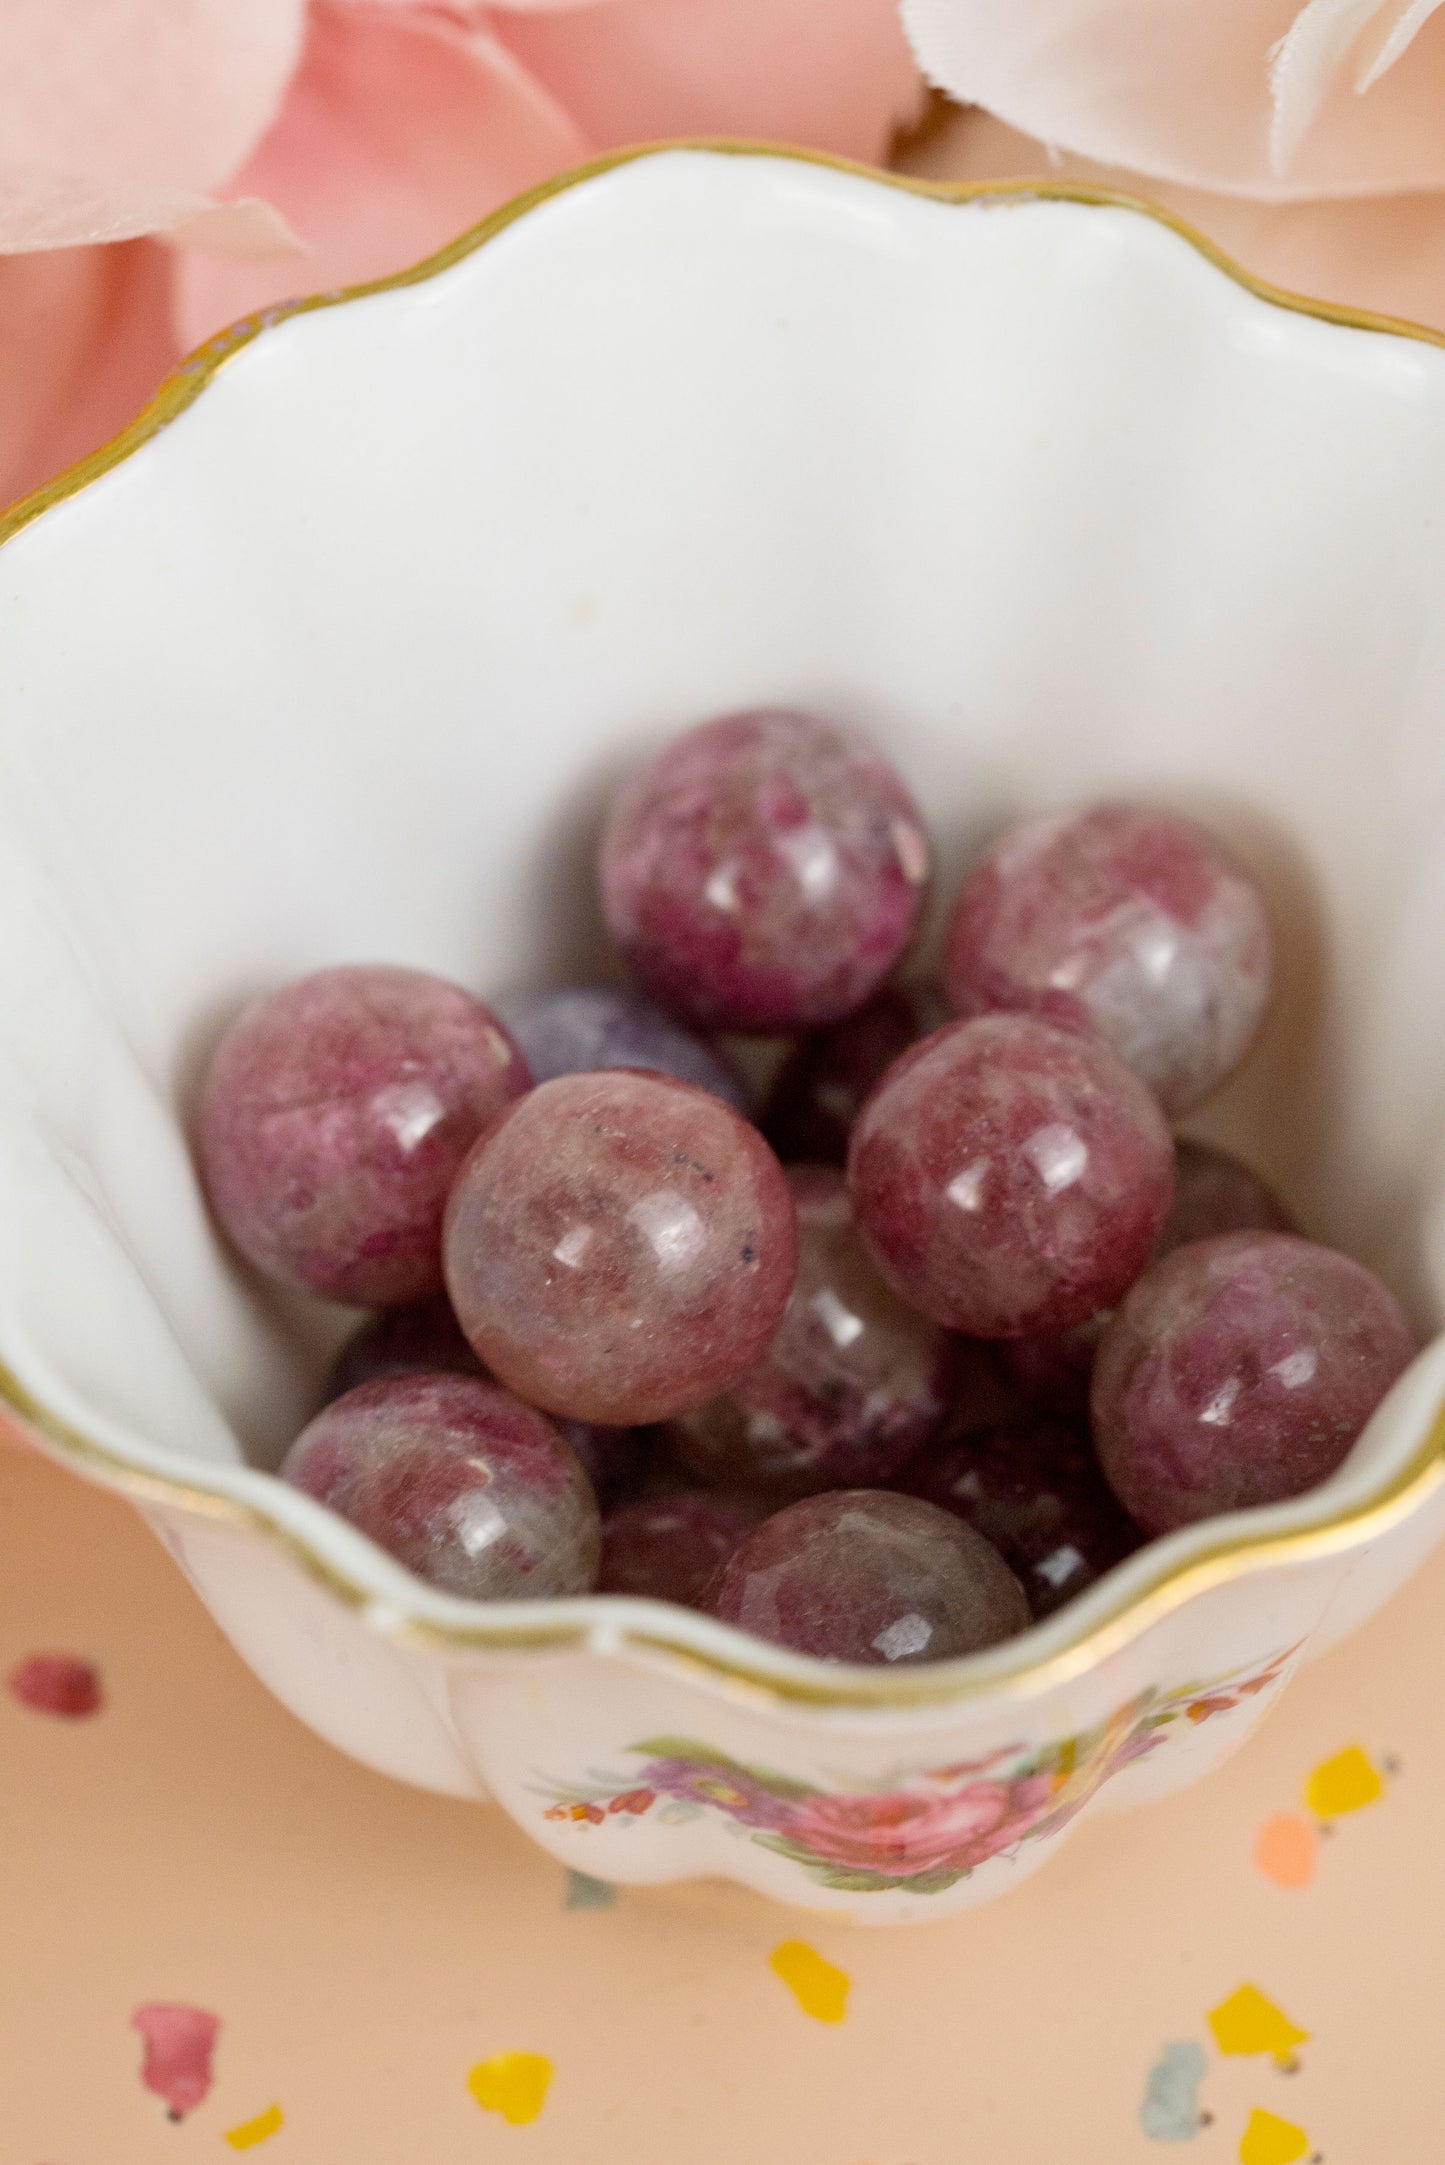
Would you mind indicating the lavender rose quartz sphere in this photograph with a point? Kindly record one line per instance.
(852, 1384)
(335, 1116)
(1239, 1371)
(763, 873)
(1133, 923)
(671, 1548)
(822, 1085)
(1010, 1177)
(1034, 1489)
(862, 1575)
(458, 1480)
(580, 1027)
(620, 1247)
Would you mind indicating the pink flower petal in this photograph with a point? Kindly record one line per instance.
(1380, 253)
(175, 91)
(1181, 90)
(398, 133)
(85, 338)
(836, 74)
(42, 209)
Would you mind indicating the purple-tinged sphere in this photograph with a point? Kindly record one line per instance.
(576, 1028)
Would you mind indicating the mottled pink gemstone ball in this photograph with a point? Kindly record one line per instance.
(1035, 1490)
(764, 872)
(866, 1576)
(458, 1480)
(1215, 1192)
(1239, 1371)
(821, 1086)
(1133, 923)
(335, 1115)
(671, 1548)
(399, 1342)
(620, 1246)
(853, 1383)
(1010, 1177)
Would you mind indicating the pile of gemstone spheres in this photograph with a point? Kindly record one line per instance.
(912, 1357)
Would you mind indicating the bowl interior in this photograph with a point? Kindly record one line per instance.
(342, 664)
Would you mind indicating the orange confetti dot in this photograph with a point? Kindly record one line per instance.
(250, 2132)
(1286, 1849)
(820, 1989)
(515, 2084)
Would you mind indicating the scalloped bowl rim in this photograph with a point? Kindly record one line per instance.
(1345, 1512)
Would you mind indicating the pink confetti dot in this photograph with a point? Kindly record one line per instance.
(180, 2042)
(60, 1684)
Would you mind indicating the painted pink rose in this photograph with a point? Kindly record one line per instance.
(914, 1831)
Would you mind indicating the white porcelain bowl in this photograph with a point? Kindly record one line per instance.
(338, 661)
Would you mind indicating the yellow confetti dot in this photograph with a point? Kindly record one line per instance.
(819, 1989)
(1343, 1784)
(514, 2084)
(1268, 2140)
(1248, 2022)
(251, 2132)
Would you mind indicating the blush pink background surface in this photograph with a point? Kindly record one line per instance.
(365, 1946)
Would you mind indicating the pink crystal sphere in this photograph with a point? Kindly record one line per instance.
(821, 1087)
(620, 1246)
(1133, 923)
(1035, 1490)
(335, 1115)
(458, 1480)
(1010, 1177)
(866, 1576)
(763, 872)
(853, 1383)
(671, 1548)
(1239, 1371)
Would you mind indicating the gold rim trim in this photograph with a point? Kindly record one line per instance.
(1134, 1614)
